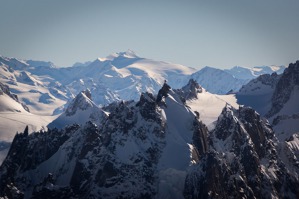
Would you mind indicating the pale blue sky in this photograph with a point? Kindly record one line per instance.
(220, 33)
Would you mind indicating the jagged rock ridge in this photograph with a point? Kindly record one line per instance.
(80, 110)
(190, 91)
(288, 82)
(147, 150)
(242, 161)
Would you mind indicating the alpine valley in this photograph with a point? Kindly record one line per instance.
(130, 127)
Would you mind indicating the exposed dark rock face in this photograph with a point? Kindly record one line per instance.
(90, 161)
(26, 79)
(242, 161)
(163, 92)
(286, 84)
(258, 92)
(87, 93)
(147, 106)
(280, 118)
(80, 102)
(200, 138)
(190, 91)
(269, 79)
(28, 151)
(80, 110)
(213, 178)
(5, 89)
(105, 173)
(121, 158)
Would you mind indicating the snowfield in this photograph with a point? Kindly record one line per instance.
(210, 106)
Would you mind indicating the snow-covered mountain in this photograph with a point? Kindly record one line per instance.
(154, 148)
(225, 81)
(242, 161)
(251, 73)
(119, 76)
(10, 101)
(284, 112)
(258, 92)
(127, 75)
(40, 92)
(81, 110)
(46, 89)
(276, 97)
(218, 81)
(14, 116)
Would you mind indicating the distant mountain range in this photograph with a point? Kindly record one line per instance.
(131, 127)
(47, 90)
(119, 76)
(275, 97)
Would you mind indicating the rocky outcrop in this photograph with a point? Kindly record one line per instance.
(5, 89)
(80, 110)
(117, 159)
(27, 152)
(81, 102)
(200, 139)
(145, 150)
(284, 88)
(163, 92)
(242, 161)
(268, 79)
(189, 91)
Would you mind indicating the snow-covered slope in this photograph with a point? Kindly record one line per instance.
(126, 75)
(284, 112)
(258, 92)
(251, 73)
(14, 117)
(120, 76)
(152, 149)
(225, 81)
(79, 111)
(218, 81)
(208, 105)
(41, 93)
(276, 97)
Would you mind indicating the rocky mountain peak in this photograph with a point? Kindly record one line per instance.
(147, 107)
(242, 157)
(269, 79)
(190, 90)
(128, 53)
(82, 102)
(81, 110)
(87, 93)
(242, 126)
(134, 153)
(227, 123)
(163, 92)
(284, 88)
